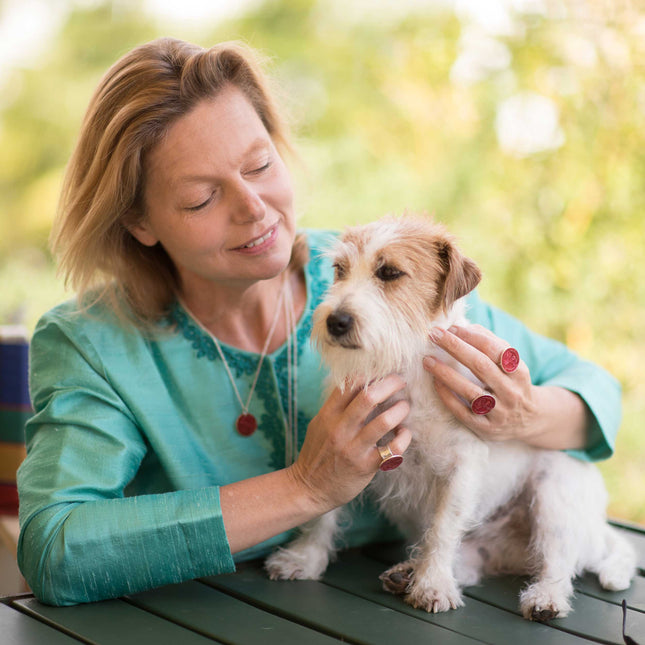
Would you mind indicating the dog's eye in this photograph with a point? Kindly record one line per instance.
(339, 271)
(388, 272)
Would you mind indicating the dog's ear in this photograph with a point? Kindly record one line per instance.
(462, 275)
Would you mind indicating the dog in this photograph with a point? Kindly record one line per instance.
(471, 507)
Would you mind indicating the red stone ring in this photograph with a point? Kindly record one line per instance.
(389, 461)
(482, 404)
(509, 360)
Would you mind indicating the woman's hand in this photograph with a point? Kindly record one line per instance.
(548, 417)
(339, 457)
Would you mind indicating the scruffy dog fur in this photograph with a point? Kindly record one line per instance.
(471, 507)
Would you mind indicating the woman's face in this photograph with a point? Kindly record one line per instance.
(219, 197)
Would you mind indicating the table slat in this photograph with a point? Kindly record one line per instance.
(637, 538)
(225, 618)
(634, 596)
(333, 611)
(358, 574)
(112, 622)
(19, 629)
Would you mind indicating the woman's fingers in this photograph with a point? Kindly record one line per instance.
(504, 406)
(374, 411)
(365, 401)
(480, 424)
(479, 337)
(476, 357)
(389, 419)
(498, 350)
(481, 352)
(388, 455)
(451, 378)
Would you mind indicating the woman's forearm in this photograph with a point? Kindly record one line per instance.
(83, 552)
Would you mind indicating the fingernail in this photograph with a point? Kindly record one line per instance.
(453, 329)
(429, 361)
(436, 333)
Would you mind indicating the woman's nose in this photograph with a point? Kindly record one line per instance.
(248, 206)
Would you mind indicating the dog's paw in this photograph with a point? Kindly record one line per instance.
(615, 580)
(434, 597)
(297, 564)
(542, 601)
(397, 579)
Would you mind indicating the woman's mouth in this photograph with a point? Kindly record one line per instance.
(259, 242)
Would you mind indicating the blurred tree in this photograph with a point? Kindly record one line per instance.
(38, 127)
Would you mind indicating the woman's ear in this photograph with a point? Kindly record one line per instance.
(142, 231)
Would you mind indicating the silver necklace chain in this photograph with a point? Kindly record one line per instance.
(291, 434)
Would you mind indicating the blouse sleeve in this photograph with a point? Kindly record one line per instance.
(552, 363)
(81, 538)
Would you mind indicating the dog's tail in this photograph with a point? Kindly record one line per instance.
(618, 565)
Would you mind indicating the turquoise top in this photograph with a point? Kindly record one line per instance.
(133, 434)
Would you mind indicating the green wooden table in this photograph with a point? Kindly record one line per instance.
(347, 606)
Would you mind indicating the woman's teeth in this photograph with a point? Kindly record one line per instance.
(264, 238)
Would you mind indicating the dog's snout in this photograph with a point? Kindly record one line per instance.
(339, 323)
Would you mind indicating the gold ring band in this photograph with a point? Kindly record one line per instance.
(389, 461)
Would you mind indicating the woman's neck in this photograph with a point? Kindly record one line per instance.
(242, 316)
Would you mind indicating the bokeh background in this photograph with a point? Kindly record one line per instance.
(519, 123)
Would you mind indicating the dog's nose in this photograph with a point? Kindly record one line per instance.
(339, 323)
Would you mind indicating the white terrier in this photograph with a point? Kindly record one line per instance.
(472, 507)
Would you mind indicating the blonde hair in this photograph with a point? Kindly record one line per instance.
(136, 102)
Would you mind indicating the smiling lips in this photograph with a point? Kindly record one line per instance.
(259, 241)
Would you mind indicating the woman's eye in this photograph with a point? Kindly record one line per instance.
(389, 272)
(260, 169)
(202, 205)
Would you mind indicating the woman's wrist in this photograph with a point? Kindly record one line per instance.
(309, 500)
(256, 509)
(561, 419)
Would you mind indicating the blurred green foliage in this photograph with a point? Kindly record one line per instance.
(384, 123)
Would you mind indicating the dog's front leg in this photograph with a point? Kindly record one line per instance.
(433, 586)
(307, 556)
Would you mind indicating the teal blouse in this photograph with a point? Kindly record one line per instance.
(133, 435)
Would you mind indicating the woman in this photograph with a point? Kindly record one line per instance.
(171, 397)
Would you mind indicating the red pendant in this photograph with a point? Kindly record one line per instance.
(246, 424)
